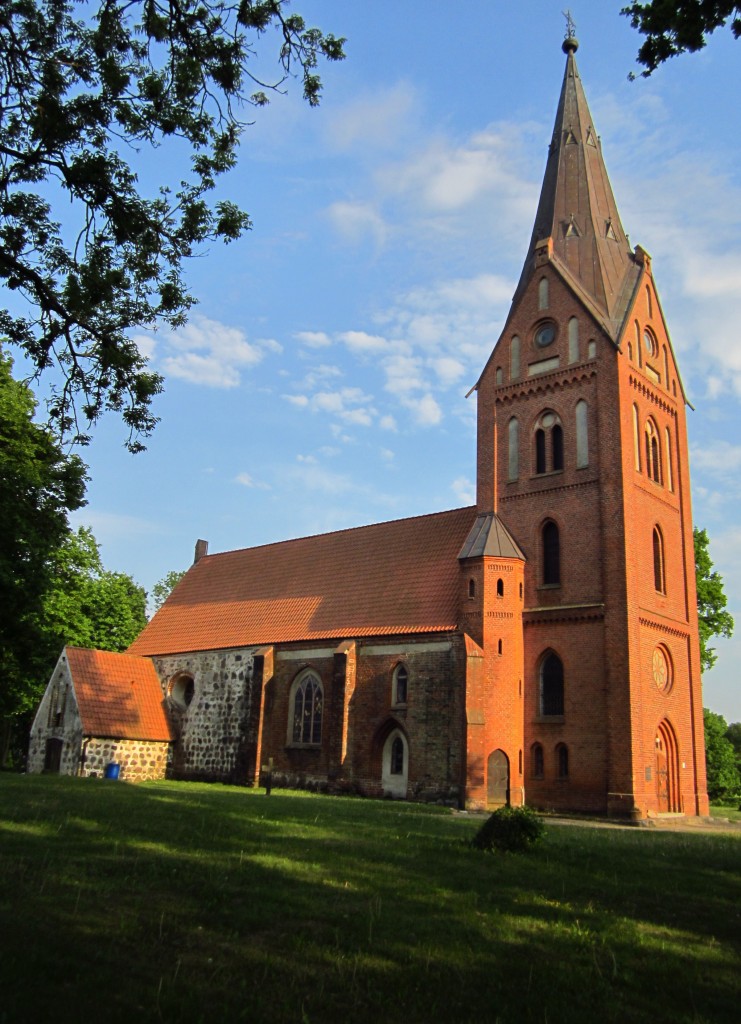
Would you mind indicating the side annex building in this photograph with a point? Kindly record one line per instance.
(539, 647)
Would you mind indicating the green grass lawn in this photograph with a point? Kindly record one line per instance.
(171, 902)
(732, 813)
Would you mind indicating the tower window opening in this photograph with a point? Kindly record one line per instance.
(551, 554)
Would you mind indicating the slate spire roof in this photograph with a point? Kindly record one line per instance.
(577, 226)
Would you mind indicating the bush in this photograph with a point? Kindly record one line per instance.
(510, 829)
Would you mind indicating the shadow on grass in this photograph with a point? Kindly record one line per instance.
(186, 903)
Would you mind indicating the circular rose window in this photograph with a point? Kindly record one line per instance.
(662, 670)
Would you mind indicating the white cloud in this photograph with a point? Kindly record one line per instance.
(464, 490)
(247, 480)
(146, 345)
(388, 423)
(209, 353)
(357, 221)
(314, 339)
(361, 342)
(425, 410)
(720, 458)
(374, 121)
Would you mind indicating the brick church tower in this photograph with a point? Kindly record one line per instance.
(584, 499)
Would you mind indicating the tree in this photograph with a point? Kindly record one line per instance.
(89, 606)
(723, 776)
(163, 588)
(87, 257)
(672, 27)
(714, 620)
(39, 485)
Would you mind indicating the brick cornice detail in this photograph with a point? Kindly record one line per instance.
(661, 627)
(550, 490)
(567, 613)
(648, 392)
(542, 383)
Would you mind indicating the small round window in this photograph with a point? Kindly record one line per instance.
(182, 689)
(545, 334)
(652, 345)
(662, 668)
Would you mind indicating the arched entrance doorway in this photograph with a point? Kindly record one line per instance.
(497, 780)
(667, 769)
(395, 765)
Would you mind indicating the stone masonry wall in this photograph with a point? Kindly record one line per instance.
(139, 760)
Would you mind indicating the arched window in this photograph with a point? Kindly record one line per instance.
(582, 435)
(557, 447)
(499, 647)
(514, 358)
(638, 342)
(536, 753)
(307, 704)
(499, 375)
(636, 439)
(653, 452)
(659, 566)
(562, 760)
(649, 303)
(500, 587)
(399, 684)
(668, 459)
(396, 766)
(551, 686)
(573, 340)
(666, 368)
(543, 293)
(513, 454)
(548, 438)
(551, 554)
(472, 588)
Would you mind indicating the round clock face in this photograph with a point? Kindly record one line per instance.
(661, 669)
(545, 335)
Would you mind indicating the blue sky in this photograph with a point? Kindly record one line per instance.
(321, 381)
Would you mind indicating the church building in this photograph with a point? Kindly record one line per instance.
(540, 647)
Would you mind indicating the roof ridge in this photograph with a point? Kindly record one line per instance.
(335, 533)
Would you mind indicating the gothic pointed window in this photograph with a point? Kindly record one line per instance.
(513, 454)
(668, 459)
(659, 567)
(557, 447)
(582, 436)
(551, 546)
(400, 684)
(551, 686)
(573, 340)
(549, 444)
(307, 705)
(536, 753)
(540, 450)
(543, 293)
(636, 439)
(514, 358)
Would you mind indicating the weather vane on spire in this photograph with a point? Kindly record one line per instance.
(570, 25)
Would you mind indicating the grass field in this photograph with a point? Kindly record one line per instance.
(167, 902)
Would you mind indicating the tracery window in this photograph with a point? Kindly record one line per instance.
(551, 686)
(548, 443)
(307, 705)
(653, 452)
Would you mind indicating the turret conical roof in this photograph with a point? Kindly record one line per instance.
(577, 225)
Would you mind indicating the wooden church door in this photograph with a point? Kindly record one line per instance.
(497, 780)
(666, 770)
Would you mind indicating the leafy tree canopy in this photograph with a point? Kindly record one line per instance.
(83, 88)
(162, 588)
(39, 485)
(672, 27)
(723, 775)
(711, 601)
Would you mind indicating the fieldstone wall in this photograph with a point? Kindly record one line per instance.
(139, 760)
(57, 722)
(215, 732)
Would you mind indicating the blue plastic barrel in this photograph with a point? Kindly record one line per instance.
(112, 770)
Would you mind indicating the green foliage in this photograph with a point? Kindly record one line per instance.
(672, 27)
(509, 830)
(88, 606)
(39, 485)
(724, 781)
(162, 588)
(711, 601)
(84, 87)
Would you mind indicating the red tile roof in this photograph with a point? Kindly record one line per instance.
(118, 695)
(397, 577)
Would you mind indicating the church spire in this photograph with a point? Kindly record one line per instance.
(577, 225)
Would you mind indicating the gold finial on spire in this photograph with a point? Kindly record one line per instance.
(570, 44)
